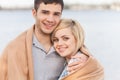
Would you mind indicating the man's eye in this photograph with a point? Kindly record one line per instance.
(57, 14)
(45, 12)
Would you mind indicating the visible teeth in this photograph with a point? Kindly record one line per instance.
(61, 49)
(49, 25)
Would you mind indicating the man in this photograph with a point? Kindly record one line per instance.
(31, 55)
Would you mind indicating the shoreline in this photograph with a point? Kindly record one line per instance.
(113, 6)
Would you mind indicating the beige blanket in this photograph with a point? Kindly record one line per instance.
(92, 70)
(16, 60)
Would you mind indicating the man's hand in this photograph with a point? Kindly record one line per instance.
(76, 65)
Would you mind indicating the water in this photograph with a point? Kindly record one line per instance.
(101, 31)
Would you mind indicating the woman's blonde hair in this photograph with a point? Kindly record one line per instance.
(76, 29)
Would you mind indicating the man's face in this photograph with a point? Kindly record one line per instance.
(47, 17)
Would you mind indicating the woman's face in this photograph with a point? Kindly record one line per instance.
(64, 42)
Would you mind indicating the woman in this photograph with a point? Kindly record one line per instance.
(68, 40)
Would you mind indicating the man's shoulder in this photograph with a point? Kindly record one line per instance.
(17, 45)
(17, 41)
(20, 39)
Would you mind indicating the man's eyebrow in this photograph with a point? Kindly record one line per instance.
(58, 12)
(45, 10)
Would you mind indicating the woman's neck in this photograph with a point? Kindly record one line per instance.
(68, 58)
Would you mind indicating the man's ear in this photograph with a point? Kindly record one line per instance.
(34, 13)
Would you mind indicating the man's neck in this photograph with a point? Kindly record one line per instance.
(44, 39)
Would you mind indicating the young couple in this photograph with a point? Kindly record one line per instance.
(32, 55)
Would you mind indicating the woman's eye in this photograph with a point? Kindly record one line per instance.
(65, 38)
(55, 40)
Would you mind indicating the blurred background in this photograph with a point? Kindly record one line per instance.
(99, 18)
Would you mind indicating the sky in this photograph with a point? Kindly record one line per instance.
(12, 3)
(90, 1)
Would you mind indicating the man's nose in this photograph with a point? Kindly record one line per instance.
(50, 18)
